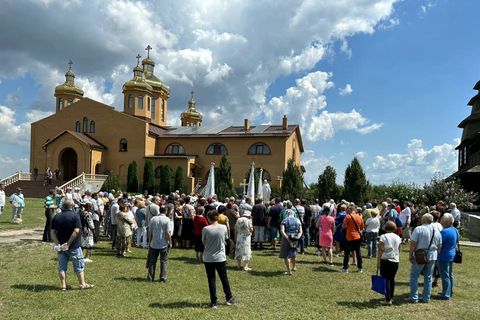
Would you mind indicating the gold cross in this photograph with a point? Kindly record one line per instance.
(70, 64)
(244, 184)
(148, 48)
(138, 58)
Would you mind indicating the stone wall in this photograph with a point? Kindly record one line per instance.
(471, 224)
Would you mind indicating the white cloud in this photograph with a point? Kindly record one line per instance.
(9, 165)
(306, 60)
(314, 165)
(346, 91)
(416, 164)
(12, 132)
(361, 155)
(346, 49)
(95, 89)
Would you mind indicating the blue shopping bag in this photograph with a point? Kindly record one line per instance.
(379, 284)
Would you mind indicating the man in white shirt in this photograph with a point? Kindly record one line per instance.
(2, 197)
(456, 215)
(160, 230)
(405, 216)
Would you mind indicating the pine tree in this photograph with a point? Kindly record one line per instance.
(165, 179)
(178, 183)
(327, 186)
(223, 179)
(148, 177)
(292, 182)
(132, 179)
(112, 183)
(355, 183)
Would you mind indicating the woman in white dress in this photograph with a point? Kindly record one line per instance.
(243, 234)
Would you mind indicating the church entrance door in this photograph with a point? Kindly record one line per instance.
(68, 164)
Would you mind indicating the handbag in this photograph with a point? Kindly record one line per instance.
(421, 255)
(458, 254)
(379, 284)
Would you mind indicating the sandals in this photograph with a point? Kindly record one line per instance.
(86, 286)
(68, 287)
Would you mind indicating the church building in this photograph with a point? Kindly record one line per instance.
(469, 147)
(87, 136)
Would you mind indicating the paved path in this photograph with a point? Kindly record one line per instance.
(11, 236)
(469, 244)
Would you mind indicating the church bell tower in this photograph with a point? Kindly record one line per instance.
(67, 93)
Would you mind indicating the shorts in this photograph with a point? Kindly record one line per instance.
(74, 255)
(273, 233)
(258, 233)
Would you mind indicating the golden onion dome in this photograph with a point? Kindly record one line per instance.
(148, 61)
(69, 88)
(137, 84)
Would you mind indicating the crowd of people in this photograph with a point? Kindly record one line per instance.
(17, 203)
(218, 229)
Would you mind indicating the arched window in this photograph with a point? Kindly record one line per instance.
(217, 148)
(131, 101)
(69, 101)
(85, 124)
(140, 102)
(175, 148)
(148, 104)
(123, 145)
(158, 172)
(153, 108)
(77, 126)
(60, 103)
(259, 148)
(92, 126)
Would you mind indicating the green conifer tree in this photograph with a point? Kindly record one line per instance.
(355, 183)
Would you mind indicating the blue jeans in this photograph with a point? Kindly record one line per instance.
(446, 273)
(306, 237)
(74, 255)
(427, 280)
(371, 243)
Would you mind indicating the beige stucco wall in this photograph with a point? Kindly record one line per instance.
(55, 149)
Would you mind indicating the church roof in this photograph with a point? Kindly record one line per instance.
(82, 137)
(474, 117)
(227, 131)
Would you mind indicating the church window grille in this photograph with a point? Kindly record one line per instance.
(259, 148)
(123, 145)
(175, 148)
(217, 148)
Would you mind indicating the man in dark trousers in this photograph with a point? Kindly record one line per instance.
(65, 233)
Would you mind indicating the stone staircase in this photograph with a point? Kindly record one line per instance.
(35, 188)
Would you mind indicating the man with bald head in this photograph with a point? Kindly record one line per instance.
(65, 232)
(426, 238)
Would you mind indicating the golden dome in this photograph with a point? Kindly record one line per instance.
(138, 81)
(69, 88)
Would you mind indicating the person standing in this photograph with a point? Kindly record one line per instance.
(450, 237)
(300, 210)
(259, 215)
(326, 225)
(124, 229)
(388, 258)
(18, 204)
(353, 224)
(114, 209)
(291, 231)
(426, 238)
(88, 229)
(243, 235)
(214, 237)
(65, 234)
(274, 221)
(140, 217)
(456, 215)
(199, 222)
(49, 204)
(372, 227)
(2, 198)
(160, 231)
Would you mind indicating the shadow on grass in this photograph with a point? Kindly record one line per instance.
(325, 269)
(133, 279)
(267, 253)
(185, 259)
(176, 305)
(266, 274)
(374, 303)
(35, 287)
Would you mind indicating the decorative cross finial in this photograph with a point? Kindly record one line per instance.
(138, 59)
(191, 94)
(70, 64)
(148, 48)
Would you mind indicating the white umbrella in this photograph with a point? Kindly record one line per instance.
(260, 185)
(251, 183)
(209, 189)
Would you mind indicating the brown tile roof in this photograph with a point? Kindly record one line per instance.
(82, 137)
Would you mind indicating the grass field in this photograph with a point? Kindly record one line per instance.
(33, 216)
(29, 289)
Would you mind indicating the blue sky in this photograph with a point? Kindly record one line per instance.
(410, 67)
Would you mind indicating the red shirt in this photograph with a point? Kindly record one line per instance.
(199, 222)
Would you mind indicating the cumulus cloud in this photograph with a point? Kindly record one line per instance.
(346, 91)
(361, 155)
(9, 165)
(416, 163)
(314, 165)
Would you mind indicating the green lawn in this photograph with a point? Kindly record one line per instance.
(28, 286)
(33, 216)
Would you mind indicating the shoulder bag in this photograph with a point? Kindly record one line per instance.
(458, 254)
(421, 255)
